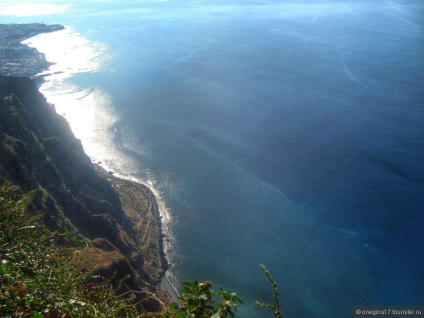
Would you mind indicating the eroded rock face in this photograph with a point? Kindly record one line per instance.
(38, 151)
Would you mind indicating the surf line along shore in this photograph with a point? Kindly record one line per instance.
(140, 206)
(138, 201)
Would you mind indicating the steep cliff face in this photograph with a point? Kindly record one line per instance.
(39, 149)
(39, 152)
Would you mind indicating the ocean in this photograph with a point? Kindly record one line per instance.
(283, 133)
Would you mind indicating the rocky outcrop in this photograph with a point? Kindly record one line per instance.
(39, 153)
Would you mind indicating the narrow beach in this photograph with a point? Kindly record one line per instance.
(140, 205)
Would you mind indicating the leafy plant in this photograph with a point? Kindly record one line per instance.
(200, 300)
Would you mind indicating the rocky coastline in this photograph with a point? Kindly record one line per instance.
(40, 154)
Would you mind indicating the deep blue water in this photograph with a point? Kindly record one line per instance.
(276, 132)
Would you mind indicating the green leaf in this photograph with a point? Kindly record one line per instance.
(217, 314)
(181, 315)
(173, 306)
(3, 270)
(231, 303)
(203, 296)
(36, 314)
(185, 290)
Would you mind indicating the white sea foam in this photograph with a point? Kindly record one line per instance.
(345, 231)
(349, 73)
(356, 78)
(364, 239)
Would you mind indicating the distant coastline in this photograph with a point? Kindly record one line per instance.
(18, 59)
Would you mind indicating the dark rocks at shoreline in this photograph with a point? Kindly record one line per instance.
(18, 59)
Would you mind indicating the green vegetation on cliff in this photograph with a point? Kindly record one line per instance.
(37, 278)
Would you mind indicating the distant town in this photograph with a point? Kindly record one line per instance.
(18, 59)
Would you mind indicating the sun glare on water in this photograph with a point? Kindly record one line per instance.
(71, 54)
(85, 108)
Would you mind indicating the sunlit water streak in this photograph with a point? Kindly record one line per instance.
(86, 109)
